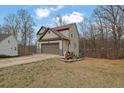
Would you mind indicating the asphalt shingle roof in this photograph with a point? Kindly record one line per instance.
(64, 27)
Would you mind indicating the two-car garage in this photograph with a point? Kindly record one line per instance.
(50, 48)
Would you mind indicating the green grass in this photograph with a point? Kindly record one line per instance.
(89, 72)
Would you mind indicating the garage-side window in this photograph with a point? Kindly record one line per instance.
(15, 48)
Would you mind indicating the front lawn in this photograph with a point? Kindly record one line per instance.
(89, 72)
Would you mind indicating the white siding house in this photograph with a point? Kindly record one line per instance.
(8, 45)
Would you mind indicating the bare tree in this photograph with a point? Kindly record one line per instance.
(87, 28)
(111, 18)
(11, 24)
(84, 32)
(100, 25)
(26, 26)
(59, 20)
(0, 29)
(104, 33)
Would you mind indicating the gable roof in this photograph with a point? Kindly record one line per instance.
(40, 29)
(64, 27)
(56, 31)
(60, 36)
(43, 33)
(58, 28)
(4, 36)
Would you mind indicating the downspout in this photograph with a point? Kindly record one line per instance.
(69, 40)
(68, 45)
(62, 47)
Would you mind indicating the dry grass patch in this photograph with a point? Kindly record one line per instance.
(89, 72)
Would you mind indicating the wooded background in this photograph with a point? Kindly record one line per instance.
(101, 35)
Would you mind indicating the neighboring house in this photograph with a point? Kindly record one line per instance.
(8, 45)
(58, 39)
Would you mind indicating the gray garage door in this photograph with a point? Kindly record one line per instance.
(52, 48)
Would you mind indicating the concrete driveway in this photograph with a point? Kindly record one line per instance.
(26, 59)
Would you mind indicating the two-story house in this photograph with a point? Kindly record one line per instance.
(58, 39)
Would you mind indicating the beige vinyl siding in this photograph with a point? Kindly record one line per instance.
(74, 40)
(65, 33)
(65, 45)
(50, 34)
